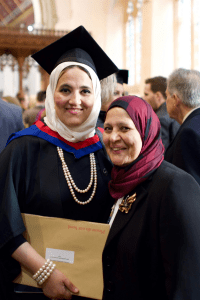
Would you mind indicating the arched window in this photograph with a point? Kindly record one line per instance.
(187, 36)
(196, 34)
(183, 42)
(133, 41)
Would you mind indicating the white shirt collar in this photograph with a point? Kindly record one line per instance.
(187, 115)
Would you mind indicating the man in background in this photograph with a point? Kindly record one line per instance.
(24, 100)
(183, 105)
(31, 113)
(155, 95)
(10, 121)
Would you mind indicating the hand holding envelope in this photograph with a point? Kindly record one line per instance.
(75, 246)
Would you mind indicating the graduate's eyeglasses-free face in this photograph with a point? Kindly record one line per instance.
(74, 97)
(121, 138)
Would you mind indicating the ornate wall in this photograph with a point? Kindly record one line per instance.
(107, 20)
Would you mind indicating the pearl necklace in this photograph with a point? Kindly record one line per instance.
(71, 183)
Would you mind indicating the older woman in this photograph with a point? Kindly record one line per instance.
(152, 251)
(57, 168)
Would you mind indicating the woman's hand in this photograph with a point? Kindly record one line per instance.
(58, 286)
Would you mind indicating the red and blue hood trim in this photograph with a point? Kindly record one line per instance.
(40, 130)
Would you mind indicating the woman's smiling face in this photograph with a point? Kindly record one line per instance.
(121, 138)
(74, 97)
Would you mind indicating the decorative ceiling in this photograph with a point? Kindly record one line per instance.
(16, 13)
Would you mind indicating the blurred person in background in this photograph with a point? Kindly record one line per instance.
(108, 86)
(111, 88)
(12, 100)
(183, 105)
(30, 114)
(122, 77)
(155, 95)
(24, 100)
(10, 121)
(32, 101)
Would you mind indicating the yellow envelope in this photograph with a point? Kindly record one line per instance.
(78, 242)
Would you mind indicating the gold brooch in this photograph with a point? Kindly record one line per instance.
(126, 204)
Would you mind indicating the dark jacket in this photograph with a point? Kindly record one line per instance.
(184, 151)
(152, 252)
(10, 121)
(169, 127)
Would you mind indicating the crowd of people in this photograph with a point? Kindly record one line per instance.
(88, 151)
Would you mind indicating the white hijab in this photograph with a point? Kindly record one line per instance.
(87, 128)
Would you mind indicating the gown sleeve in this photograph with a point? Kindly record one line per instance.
(14, 243)
(10, 268)
(12, 179)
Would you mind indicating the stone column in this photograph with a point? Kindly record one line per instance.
(20, 61)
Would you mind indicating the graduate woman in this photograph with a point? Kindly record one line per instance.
(57, 168)
(152, 250)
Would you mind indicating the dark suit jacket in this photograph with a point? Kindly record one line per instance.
(10, 121)
(184, 151)
(152, 252)
(169, 127)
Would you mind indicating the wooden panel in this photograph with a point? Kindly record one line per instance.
(20, 42)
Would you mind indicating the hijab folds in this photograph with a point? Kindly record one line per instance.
(125, 179)
(75, 48)
(87, 128)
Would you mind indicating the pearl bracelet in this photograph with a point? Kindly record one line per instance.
(44, 272)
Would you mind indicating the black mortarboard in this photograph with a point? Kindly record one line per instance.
(122, 76)
(78, 46)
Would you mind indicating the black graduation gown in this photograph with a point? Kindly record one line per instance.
(32, 181)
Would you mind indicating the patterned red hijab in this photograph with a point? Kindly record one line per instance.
(125, 179)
